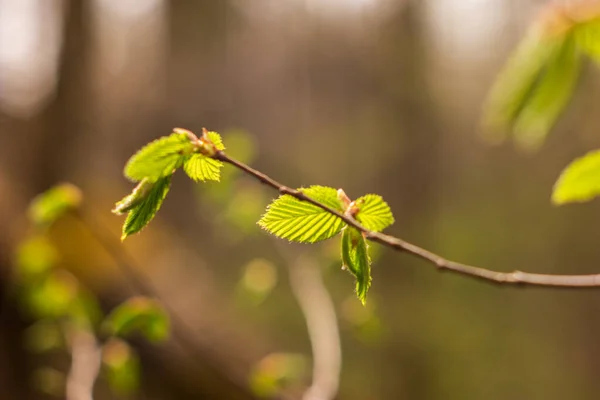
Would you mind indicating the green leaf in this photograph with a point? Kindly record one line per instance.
(533, 88)
(215, 138)
(138, 314)
(579, 181)
(355, 257)
(587, 35)
(159, 158)
(373, 212)
(550, 97)
(53, 203)
(202, 168)
(300, 221)
(142, 205)
(121, 367)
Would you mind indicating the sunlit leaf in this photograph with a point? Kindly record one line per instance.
(138, 314)
(300, 221)
(534, 87)
(159, 158)
(215, 138)
(355, 258)
(143, 208)
(587, 35)
(549, 98)
(579, 181)
(202, 168)
(121, 367)
(373, 212)
(53, 203)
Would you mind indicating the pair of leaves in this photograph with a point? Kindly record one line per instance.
(534, 88)
(153, 167)
(300, 221)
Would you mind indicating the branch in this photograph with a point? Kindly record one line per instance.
(321, 322)
(515, 277)
(86, 358)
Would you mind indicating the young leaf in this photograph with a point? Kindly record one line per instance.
(135, 198)
(159, 158)
(215, 138)
(535, 85)
(141, 314)
(121, 366)
(579, 181)
(355, 257)
(587, 36)
(53, 203)
(202, 168)
(299, 221)
(143, 206)
(373, 212)
(549, 98)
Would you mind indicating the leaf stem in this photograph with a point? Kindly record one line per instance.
(516, 277)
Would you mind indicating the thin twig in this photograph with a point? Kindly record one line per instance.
(515, 277)
(86, 358)
(321, 322)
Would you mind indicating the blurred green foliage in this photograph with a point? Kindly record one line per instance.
(138, 314)
(276, 372)
(52, 204)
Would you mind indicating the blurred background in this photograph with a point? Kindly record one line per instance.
(372, 96)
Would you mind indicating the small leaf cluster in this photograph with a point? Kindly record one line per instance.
(539, 79)
(286, 217)
(153, 166)
(63, 306)
(300, 221)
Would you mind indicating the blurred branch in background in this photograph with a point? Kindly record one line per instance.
(86, 357)
(321, 321)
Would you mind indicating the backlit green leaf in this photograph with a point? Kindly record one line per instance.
(374, 213)
(202, 168)
(534, 87)
(53, 203)
(549, 98)
(215, 138)
(159, 158)
(579, 181)
(587, 36)
(143, 206)
(138, 314)
(355, 258)
(121, 366)
(300, 221)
